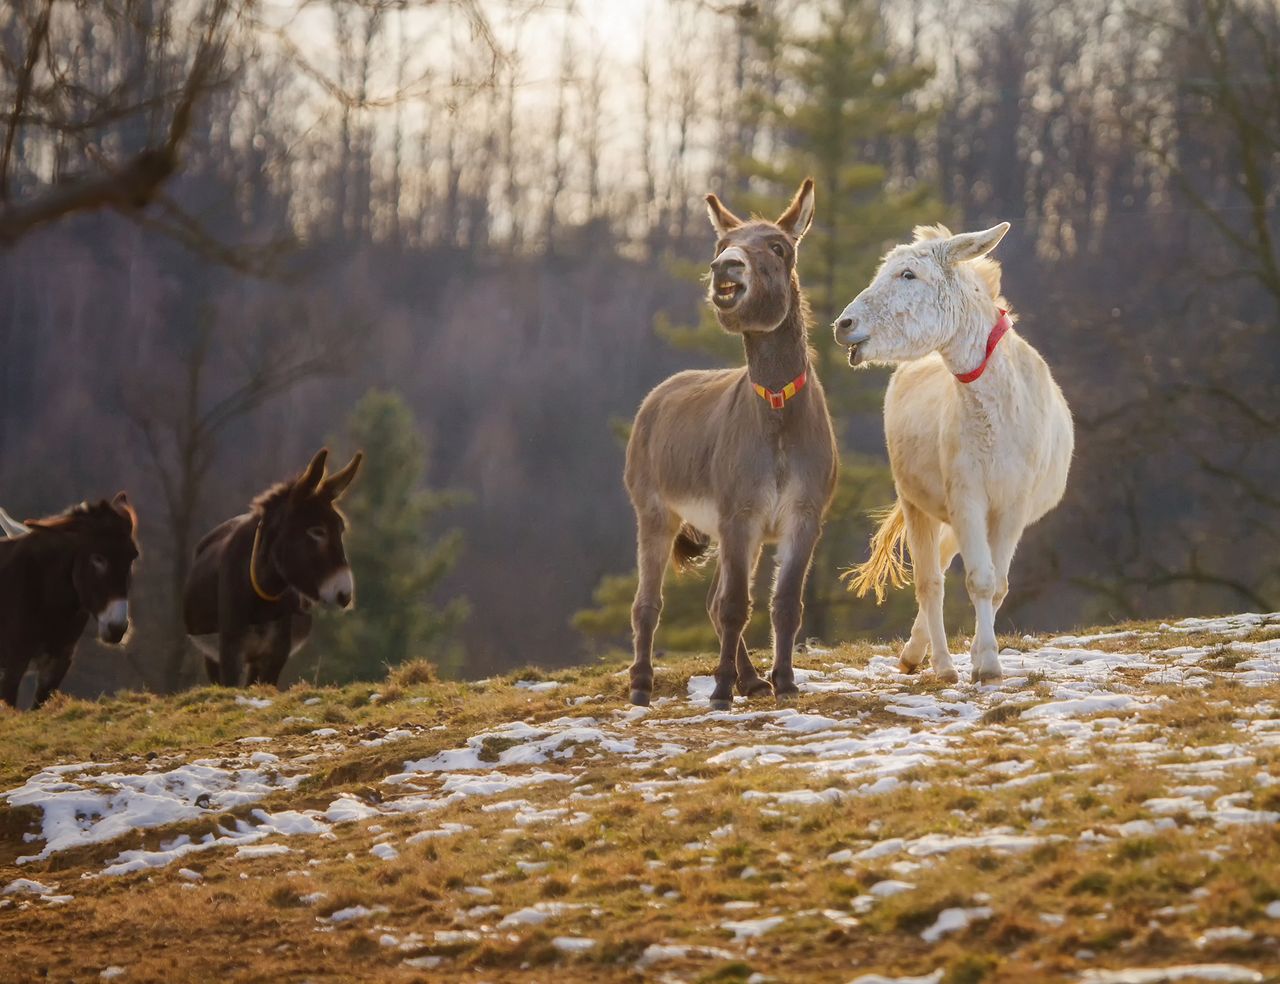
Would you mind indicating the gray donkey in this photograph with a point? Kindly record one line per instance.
(739, 456)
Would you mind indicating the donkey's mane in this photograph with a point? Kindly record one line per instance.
(987, 268)
(85, 515)
(271, 497)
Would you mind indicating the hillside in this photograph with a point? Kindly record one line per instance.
(1111, 810)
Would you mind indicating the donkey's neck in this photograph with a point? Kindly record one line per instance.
(775, 358)
(966, 349)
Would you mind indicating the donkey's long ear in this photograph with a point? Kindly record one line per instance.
(337, 483)
(795, 221)
(309, 480)
(971, 245)
(122, 505)
(721, 217)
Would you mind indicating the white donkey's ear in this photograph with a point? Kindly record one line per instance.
(971, 245)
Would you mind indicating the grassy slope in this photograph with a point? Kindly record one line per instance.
(659, 865)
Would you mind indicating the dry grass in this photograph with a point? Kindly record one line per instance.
(666, 868)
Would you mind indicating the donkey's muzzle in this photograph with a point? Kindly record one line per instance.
(847, 335)
(728, 278)
(113, 622)
(338, 588)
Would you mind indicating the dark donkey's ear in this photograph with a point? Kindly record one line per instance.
(337, 483)
(795, 221)
(310, 479)
(721, 217)
(122, 505)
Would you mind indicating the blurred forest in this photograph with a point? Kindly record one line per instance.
(224, 222)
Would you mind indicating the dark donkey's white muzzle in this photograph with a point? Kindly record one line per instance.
(338, 588)
(113, 620)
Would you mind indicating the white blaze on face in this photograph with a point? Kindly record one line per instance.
(114, 616)
(338, 588)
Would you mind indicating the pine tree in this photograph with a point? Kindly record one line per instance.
(398, 562)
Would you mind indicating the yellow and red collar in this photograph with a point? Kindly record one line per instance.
(778, 398)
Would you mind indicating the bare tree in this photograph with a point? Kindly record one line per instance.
(51, 104)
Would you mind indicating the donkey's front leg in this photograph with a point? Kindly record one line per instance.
(749, 682)
(795, 553)
(53, 666)
(653, 547)
(969, 520)
(732, 608)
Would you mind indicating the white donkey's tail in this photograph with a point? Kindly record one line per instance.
(888, 563)
(10, 526)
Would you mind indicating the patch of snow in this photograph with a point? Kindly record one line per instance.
(1230, 973)
(93, 808)
(28, 886)
(656, 953)
(890, 886)
(1223, 934)
(353, 912)
(744, 929)
(262, 850)
(953, 920)
(537, 686)
(573, 944)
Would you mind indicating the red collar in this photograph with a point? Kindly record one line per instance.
(997, 333)
(778, 399)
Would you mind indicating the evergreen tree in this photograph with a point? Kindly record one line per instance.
(397, 561)
(842, 104)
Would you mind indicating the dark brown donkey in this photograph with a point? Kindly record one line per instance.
(255, 576)
(739, 456)
(52, 578)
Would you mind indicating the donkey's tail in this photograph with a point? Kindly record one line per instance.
(10, 526)
(888, 561)
(692, 549)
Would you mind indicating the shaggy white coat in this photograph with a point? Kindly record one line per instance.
(974, 464)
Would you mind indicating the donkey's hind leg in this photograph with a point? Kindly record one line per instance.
(917, 647)
(656, 533)
(926, 555)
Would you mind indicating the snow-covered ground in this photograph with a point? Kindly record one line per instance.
(1079, 693)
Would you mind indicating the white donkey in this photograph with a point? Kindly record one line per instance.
(979, 434)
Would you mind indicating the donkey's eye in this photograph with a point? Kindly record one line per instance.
(99, 563)
(778, 250)
(908, 275)
(318, 533)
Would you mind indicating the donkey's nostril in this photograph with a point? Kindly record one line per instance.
(343, 599)
(844, 323)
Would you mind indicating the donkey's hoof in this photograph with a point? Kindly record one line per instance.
(908, 668)
(721, 703)
(640, 698)
(947, 676)
(986, 676)
(754, 688)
